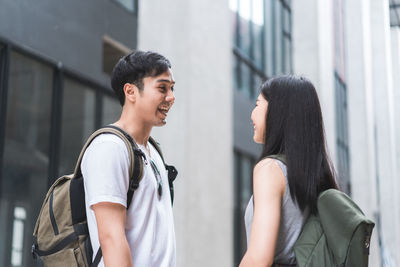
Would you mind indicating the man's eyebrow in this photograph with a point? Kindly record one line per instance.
(165, 80)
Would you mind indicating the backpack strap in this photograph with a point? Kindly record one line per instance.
(135, 155)
(135, 169)
(172, 171)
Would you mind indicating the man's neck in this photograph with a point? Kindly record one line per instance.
(134, 127)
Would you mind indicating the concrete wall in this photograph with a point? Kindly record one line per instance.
(313, 57)
(384, 121)
(68, 31)
(372, 94)
(361, 113)
(195, 36)
(395, 46)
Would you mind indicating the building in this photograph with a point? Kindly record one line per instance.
(55, 62)
(54, 91)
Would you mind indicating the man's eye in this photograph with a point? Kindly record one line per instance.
(163, 88)
(172, 88)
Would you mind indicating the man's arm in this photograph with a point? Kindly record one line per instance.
(111, 218)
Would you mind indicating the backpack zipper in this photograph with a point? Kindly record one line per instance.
(52, 218)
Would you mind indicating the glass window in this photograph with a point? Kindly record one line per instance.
(278, 38)
(243, 191)
(257, 81)
(130, 5)
(78, 122)
(1, 52)
(287, 56)
(248, 43)
(244, 26)
(342, 142)
(111, 110)
(26, 157)
(342, 134)
(258, 33)
(245, 75)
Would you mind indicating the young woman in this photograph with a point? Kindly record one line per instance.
(287, 120)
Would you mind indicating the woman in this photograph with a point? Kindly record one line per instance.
(287, 120)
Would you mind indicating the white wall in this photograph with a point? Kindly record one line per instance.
(371, 95)
(361, 112)
(395, 46)
(313, 57)
(195, 36)
(384, 120)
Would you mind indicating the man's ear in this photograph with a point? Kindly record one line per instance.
(130, 91)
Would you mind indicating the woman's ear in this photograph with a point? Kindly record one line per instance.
(130, 91)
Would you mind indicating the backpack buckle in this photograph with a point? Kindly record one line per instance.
(172, 172)
(140, 153)
(33, 251)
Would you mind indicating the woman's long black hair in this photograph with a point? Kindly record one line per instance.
(294, 128)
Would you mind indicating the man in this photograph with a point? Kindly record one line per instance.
(142, 235)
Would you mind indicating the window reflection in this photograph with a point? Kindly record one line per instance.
(18, 236)
(111, 110)
(26, 155)
(128, 4)
(78, 122)
(248, 43)
(243, 191)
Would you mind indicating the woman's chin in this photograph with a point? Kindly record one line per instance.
(257, 140)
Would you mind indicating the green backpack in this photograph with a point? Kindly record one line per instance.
(61, 236)
(339, 236)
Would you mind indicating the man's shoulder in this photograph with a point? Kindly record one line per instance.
(106, 145)
(108, 139)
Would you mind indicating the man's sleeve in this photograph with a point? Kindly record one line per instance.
(105, 170)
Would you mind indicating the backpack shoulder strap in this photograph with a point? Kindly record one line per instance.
(157, 147)
(135, 154)
(172, 171)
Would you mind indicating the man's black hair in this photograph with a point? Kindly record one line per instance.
(134, 67)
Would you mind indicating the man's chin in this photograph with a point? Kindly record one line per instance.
(161, 123)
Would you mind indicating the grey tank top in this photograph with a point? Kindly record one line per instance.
(291, 223)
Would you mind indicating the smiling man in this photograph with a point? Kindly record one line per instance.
(143, 234)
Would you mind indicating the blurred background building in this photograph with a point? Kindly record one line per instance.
(55, 62)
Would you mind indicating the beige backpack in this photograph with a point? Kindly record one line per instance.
(61, 236)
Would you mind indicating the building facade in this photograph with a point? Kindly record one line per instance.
(55, 61)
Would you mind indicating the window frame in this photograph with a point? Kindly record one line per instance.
(60, 73)
(238, 215)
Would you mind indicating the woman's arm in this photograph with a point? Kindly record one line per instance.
(268, 188)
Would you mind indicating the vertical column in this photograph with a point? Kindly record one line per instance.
(361, 112)
(313, 56)
(384, 121)
(196, 37)
(395, 39)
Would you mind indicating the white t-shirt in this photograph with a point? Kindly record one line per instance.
(149, 225)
